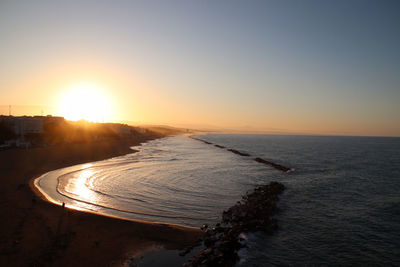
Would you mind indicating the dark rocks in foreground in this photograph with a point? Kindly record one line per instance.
(253, 213)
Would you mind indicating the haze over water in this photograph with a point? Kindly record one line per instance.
(310, 67)
(341, 205)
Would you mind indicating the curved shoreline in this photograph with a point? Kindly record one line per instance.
(37, 232)
(34, 184)
(39, 193)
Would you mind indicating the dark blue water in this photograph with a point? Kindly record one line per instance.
(341, 206)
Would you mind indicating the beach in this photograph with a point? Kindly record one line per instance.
(36, 232)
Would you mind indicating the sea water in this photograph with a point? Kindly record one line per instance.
(340, 206)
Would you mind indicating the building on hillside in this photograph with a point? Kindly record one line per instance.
(28, 125)
(23, 126)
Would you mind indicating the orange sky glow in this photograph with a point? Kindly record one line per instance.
(272, 71)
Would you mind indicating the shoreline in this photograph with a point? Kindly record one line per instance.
(39, 193)
(37, 232)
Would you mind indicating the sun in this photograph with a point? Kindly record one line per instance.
(85, 101)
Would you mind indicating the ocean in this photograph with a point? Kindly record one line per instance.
(341, 205)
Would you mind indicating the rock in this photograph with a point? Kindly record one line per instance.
(204, 227)
(253, 213)
(239, 153)
(275, 165)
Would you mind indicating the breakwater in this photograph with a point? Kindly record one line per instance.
(244, 154)
(253, 213)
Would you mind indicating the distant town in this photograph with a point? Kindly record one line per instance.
(35, 131)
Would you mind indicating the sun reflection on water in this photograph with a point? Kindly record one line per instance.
(86, 165)
(79, 184)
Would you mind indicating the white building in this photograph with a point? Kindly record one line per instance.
(28, 125)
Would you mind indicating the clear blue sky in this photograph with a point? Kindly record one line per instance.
(324, 67)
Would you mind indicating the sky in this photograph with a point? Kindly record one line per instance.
(301, 67)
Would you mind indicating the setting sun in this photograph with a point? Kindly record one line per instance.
(85, 101)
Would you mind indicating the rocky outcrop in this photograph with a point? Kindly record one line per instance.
(253, 213)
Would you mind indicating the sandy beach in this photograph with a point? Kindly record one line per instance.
(37, 233)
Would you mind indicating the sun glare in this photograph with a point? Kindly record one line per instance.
(85, 102)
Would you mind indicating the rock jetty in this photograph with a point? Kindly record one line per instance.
(259, 160)
(275, 165)
(201, 140)
(239, 153)
(253, 213)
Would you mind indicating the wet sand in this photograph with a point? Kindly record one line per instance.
(37, 233)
